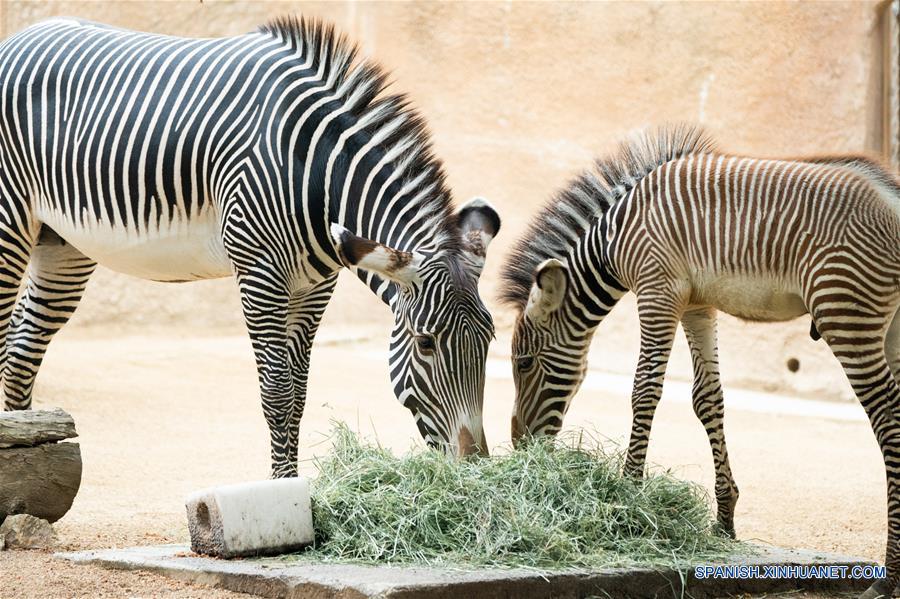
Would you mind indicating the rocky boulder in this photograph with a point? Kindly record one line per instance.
(23, 531)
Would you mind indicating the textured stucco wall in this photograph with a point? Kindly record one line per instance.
(520, 96)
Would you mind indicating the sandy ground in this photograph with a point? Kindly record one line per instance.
(162, 415)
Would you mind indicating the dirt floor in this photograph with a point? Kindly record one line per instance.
(162, 415)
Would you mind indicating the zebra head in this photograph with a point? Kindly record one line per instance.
(442, 329)
(549, 356)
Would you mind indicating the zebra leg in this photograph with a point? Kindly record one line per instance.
(57, 277)
(659, 318)
(265, 300)
(18, 234)
(861, 353)
(709, 406)
(304, 315)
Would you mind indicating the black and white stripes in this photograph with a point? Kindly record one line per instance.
(275, 157)
(689, 231)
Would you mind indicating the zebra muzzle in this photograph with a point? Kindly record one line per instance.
(468, 446)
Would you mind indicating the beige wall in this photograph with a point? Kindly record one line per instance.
(520, 96)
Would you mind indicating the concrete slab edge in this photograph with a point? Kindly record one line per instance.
(269, 578)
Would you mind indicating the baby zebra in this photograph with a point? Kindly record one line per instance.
(691, 231)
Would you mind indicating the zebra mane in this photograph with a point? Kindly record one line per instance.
(400, 129)
(570, 213)
(870, 168)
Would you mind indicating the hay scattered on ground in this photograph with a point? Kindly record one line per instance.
(554, 504)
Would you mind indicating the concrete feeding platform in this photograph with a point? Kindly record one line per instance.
(274, 577)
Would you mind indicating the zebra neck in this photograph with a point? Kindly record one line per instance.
(369, 192)
(391, 221)
(594, 288)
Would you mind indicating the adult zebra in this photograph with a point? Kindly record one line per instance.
(273, 157)
(690, 230)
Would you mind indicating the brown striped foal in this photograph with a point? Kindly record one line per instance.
(690, 231)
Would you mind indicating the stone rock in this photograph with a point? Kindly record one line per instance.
(23, 531)
(33, 427)
(41, 480)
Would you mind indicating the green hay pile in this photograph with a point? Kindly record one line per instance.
(554, 505)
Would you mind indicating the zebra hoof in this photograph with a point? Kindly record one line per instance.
(725, 530)
(881, 588)
(285, 471)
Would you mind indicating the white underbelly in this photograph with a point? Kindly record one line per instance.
(174, 253)
(751, 298)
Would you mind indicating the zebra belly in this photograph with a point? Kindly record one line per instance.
(175, 253)
(750, 298)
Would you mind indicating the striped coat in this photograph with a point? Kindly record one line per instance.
(274, 157)
(691, 231)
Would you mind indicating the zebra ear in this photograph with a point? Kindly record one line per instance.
(365, 254)
(548, 289)
(478, 224)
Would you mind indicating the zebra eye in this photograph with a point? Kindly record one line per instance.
(425, 342)
(525, 362)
